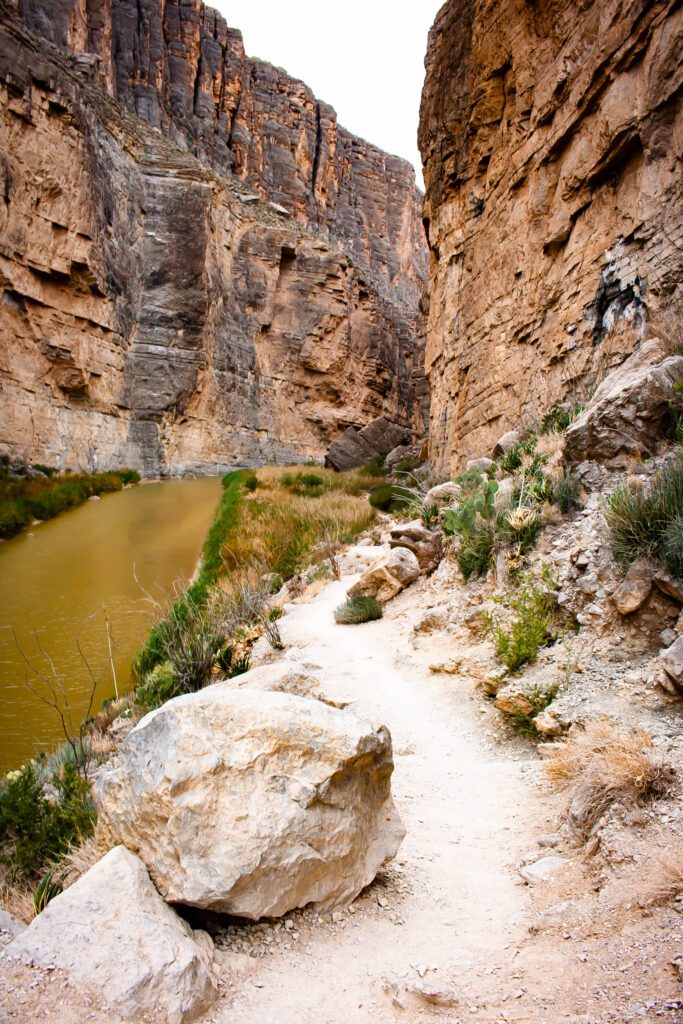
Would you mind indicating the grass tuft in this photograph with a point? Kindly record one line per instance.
(356, 610)
(641, 523)
(600, 766)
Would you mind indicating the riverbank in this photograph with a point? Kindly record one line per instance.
(30, 493)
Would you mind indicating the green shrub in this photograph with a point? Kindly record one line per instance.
(159, 685)
(14, 516)
(672, 547)
(540, 698)
(356, 610)
(250, 481)
(407, 465)
(232, 662)
(519, 526)
(514, 459)
(639, 521)
(476, 504)
(557, 419)
(46, 497)
(567, 493)
(533, 606)
(48, 887)
(35, 831)
(475, 553)
(375, 467)
(389, 498)
(45, 470)
(128, 476)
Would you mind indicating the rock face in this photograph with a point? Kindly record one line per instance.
(387, 576)
(357, 447)
(628, 411)
(252, 803)
(550, 136)
(426, 545)
(199, 267)
(112, 933)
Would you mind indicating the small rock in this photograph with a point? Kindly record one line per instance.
(544, 869)
(506, 442)
(635, 588)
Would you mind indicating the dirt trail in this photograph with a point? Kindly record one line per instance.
(452, 904)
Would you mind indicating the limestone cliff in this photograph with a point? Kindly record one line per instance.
(199, 266)
(551, 134)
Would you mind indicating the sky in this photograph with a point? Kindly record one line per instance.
(364, 57)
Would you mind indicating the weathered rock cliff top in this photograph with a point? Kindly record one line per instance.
(551, 139)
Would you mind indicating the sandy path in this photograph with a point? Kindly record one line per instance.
(452, 902)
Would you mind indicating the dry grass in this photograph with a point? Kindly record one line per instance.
(81, 858)
(666, 880)
(277, 529)
(17, 900)
(601, 765)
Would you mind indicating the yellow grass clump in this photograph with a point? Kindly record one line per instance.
(282, 520)
(601, 765)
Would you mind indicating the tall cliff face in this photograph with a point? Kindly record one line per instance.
(199, 267)
(551, 133)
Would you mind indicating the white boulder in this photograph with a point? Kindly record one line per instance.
(112, 933)
(253, 803)
(388, 575)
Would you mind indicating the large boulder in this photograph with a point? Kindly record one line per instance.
(253, 803)
(442, 494)
(384, 436)
(349, 451)
(112, 933)
(628, 411)
(387, 577)
(356, 447)
(426, 545)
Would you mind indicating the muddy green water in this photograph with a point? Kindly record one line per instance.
(62, 581)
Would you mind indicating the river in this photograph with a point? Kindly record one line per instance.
(64, 580)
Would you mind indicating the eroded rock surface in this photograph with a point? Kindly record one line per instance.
(253, 803)
(199, 267)
(550, 135)
(113, 934)
(388, 575)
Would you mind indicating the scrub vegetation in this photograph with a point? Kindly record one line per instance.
(45, 493)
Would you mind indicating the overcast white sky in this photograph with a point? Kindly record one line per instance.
(365, 57)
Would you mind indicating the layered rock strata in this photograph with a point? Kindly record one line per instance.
(551, 135)
(199, 267)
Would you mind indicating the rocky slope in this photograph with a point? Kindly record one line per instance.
(551, 138)
(200, 267)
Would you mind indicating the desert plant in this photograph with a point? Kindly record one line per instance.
(639, 521)
(532, 604)
(566, 493)
(666, 881)
(672, 547)
(35, 831)
(48, 887)
(358, 609)
(389, 497)
(476, 503)
(557, 419)
(540, 697)
(601, 765)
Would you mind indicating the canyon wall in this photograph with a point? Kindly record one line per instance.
(551, 134)
(199, 267)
